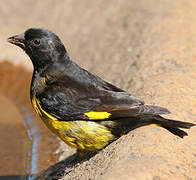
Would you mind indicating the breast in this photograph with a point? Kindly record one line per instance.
(84, 135)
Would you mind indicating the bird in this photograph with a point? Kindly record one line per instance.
(81, 108)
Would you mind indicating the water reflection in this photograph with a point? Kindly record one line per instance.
(34, 136)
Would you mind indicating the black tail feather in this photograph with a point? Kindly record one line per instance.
(173, 125)
(124, 125)
(176, 131)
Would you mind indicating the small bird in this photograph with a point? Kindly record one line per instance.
(82, 109)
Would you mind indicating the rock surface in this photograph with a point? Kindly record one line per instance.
(147, 48)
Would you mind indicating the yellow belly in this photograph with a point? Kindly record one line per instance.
(84, 135)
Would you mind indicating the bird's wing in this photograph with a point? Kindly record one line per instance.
(120, 105)
(76, 94)
(66, 105)
(70, 104)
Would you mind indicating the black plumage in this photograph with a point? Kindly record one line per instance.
(62, 91)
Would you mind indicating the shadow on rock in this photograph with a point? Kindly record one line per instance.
(63, 167)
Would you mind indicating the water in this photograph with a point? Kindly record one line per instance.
(34, 136)
(31, 160)
(21, 133)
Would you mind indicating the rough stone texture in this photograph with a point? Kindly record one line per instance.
(147, 48)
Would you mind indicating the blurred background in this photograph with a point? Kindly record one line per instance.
(132, 44)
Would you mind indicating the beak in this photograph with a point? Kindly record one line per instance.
(18, 40)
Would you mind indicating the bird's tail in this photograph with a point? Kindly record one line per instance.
(172, 126)
(125, 125)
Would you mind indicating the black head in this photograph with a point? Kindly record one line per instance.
(43, 46)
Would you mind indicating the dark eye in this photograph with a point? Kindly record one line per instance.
(36, 42)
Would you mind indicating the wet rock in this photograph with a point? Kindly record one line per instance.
(12, 138)
(15, 143)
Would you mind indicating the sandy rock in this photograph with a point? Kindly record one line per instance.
(164, 74)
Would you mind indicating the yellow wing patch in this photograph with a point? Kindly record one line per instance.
(154, 125)
(97, 115)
